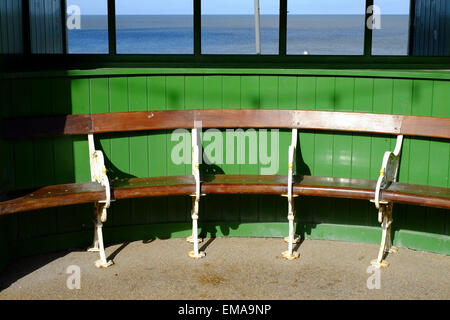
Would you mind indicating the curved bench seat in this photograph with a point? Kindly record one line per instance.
(328, 187)
(77, 193)
(52, 196)
(383, 192)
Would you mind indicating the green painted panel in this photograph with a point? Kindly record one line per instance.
(209, 95)
(139, 162)
(178, 209)
(287, 99)
(231, 99)
(148, 154)
(44, 222)
(269, 97)
(323, 145)
(439, 170)
(250, 99)
(63, 153)
(157, 144)
(80, 103)
(120, 148)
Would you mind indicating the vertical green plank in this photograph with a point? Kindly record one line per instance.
(67, 217)
(342, 148)
(306, 100)
(438, 170)
(43, 148)
(361, 142)
(437, 220)
(23, 150)
(99, 103)
(178, 209)
(419, 147)
(44, 221)
(287, 100)
(250, 99)
(422, 100)
(139, 162)
(231, 99)
(157, 145)
(323, 150)
(99, 96)
(63, 149)
(402, 101)
(137, 87)
(269, 94)
(343, 144)
(99, 100)
(175, 101)
(361, 150)
(382, 103)
(212, 97)
(80, 105)
(120, 148)
(323, 146)
(80, 102)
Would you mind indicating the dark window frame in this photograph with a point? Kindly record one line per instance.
(197, 59)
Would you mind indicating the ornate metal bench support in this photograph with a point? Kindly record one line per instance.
(292, 238)
(195, 254)
(385, 212)
(388, 174)
(98, 174)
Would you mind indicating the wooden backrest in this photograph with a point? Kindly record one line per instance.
(228, 118)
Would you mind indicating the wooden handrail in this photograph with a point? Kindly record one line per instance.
(227, 118)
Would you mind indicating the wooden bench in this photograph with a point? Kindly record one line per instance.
(383, 192)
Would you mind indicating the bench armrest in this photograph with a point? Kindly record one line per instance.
(389, 170)
(98, 170)
(291, 164)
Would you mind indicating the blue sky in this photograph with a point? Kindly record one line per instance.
(239, 6)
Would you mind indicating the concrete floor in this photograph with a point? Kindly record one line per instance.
(234, 268)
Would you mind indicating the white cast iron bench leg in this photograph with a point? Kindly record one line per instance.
(292, 238)
(98, 174)
(388, 174)
(195, 254)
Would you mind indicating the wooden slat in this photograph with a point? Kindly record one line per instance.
(54, 196)
(47, 126)
(153, 187)
(329, 187)
(229, 118)
(62, 195)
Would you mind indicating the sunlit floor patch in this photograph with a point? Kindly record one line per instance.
(234, 268)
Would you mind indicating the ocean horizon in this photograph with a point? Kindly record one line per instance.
(234, 34)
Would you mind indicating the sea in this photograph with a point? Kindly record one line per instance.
(235, 34)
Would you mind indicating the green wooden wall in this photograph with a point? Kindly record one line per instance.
(27, 164)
